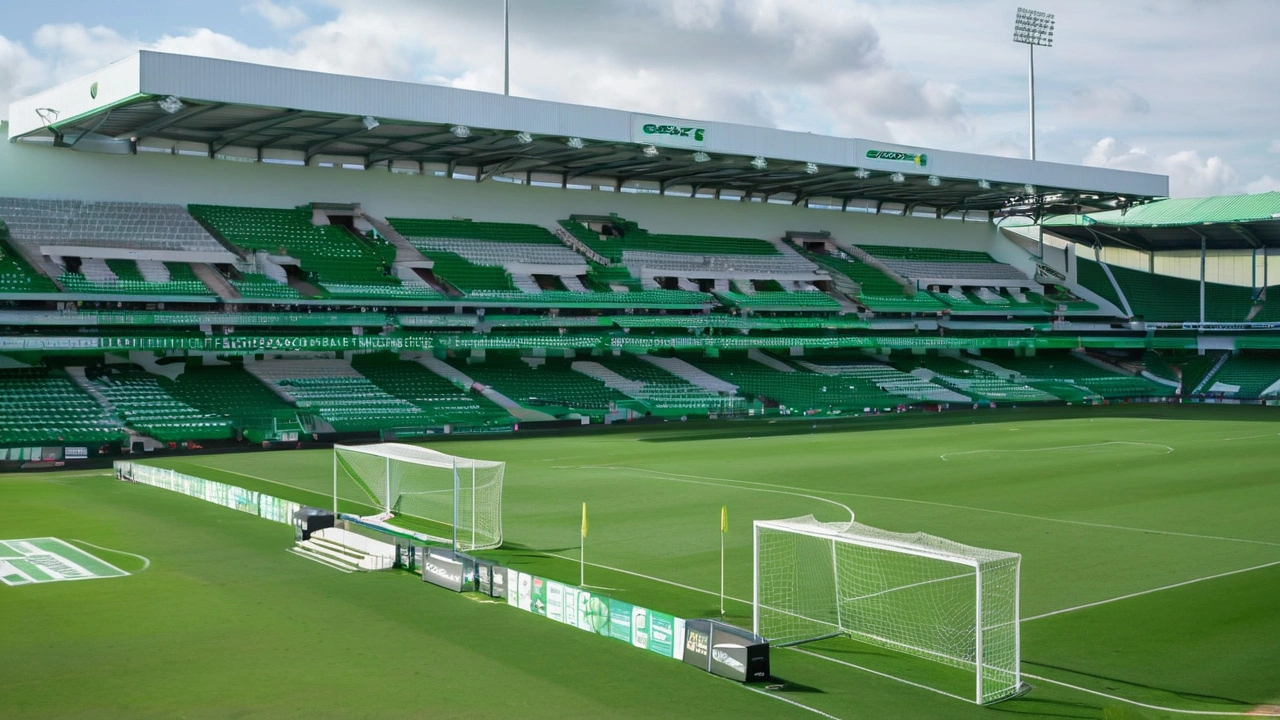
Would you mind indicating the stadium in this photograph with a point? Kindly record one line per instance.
(947, 434)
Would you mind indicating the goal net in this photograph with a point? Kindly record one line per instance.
(912, 593)
(459, 499)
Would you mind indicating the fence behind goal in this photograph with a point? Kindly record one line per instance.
(454, 498)
(912, 593)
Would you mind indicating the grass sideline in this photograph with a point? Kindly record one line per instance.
(224, 617)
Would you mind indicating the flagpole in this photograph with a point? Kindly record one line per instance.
(724, 521)
(582, 550)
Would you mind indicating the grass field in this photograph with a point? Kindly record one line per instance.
(1151, 574)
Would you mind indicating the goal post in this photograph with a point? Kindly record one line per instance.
(914, 593)
(459, 498)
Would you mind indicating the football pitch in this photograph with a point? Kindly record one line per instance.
(1150, 548)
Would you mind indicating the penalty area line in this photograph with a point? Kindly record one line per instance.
(1161, 708)
(881, 674)
(1152, 590)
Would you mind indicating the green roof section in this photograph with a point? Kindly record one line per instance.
(1181, 212)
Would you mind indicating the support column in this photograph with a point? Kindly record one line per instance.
(1202, 263)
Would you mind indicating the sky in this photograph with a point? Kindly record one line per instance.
(1185, 88)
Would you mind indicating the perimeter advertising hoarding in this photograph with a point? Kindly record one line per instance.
(725, 650)
(445, 572)
(639, 627)
(668, 132)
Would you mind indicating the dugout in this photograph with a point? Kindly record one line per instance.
(309, 520)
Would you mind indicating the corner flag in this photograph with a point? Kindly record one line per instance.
(584, 519)
(724, 518)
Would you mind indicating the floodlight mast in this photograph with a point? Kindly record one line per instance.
(506, 47)
(1032, 28)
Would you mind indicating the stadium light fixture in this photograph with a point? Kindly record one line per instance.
(934, 181)
(461, 131)
(370, 122)
(650, 151)
(862, 173)
(811, 168)
(524, 138)
(171, 104)
(758, 162)
(1032, 28)
(701, 157)
(575, 143)
(984, 184)
(898, 177)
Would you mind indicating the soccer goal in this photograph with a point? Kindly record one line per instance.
(915, 594)
(460, 499)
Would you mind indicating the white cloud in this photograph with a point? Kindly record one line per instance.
(1275, 147)
(1266, 183)
(1190, 174)
(281, 17)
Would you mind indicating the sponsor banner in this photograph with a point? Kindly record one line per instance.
(620, 620)
(513, 588)
(593, 613)
(526, 592)
(570, 606)
(538, 596)
(729, 660)
(668, 132)
(445, 572)
(918, 159)
(640, 627)
(555, 601)
(677, 640)
(697, 643)
(662, 633)
(499, 583)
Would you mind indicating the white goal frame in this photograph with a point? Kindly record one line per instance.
(997, 565)
(479, 480)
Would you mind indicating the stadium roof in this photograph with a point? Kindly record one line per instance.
(1229, 222)
(222, 108)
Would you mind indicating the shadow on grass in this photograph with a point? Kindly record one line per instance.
(1044, 707)
(1186, 695)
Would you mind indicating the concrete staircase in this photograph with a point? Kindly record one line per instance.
(346, 551)
(693, 375)
(457, 377)
(626, 386)
(214, 280)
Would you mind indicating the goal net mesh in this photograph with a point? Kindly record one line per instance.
(429, 486)
(913, 593)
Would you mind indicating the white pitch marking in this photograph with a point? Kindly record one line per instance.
(1167, 449)
(1219, 713)
(646, 577)
(145, 562)
(877, 672)
(1250, 437)
(1152, 590)
(813, 710)
(717, 482)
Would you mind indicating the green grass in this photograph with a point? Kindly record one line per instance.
(1093, 498)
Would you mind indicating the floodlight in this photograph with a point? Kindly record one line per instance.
(461, 131)
(984, 184)
(171, 104)
(758, 162)
(650, 151)
(701, 157)
(898, 177)
(1032, 28)
(575, 143)
(524, 138)
(811, 168)
(862, 173)
(370, 122)
(934, 181)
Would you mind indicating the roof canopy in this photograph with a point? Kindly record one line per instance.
(257, 112)
(1229, 222)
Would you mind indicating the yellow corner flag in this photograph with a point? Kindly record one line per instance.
(724, 518)
(584, 519)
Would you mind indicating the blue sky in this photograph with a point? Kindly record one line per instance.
(1186, 88)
